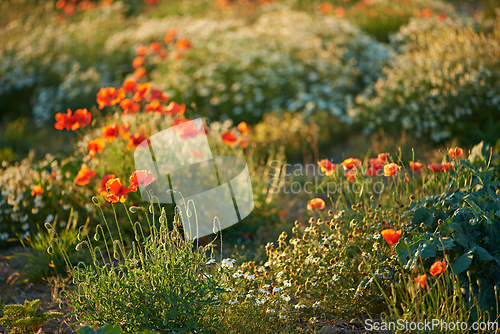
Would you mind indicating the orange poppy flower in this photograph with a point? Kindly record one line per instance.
(391, 169)
(316, 203)
(115, 192)
(183, 44)
(426, 12)
(339, 12)
(327, 167)
(138, 62)
(95, 146)
(157, 94)
(140, 73)
(243, 128)
(84, 175)
(351, 163)
(391, 236)
(109, 96)
(142, 90)
(135, 140)
(124, 130)
(36, 190)
(435, 167)
(73, 121)
(178, 121)
(170, 35)
(350, 175)
(129, 107)
(102, 189)
(455, 152)
(383, 157)
(422, 280)
(141, 50)
(153, 106)
(174, 108)
(229, 138)
(110, 133)
(155, 47)
(129, 85)
(415, 166)
(243, 142)
(437, 268)
(325, 8)
(140, 178)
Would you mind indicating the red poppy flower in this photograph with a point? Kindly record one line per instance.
(415, 166)
(110, 133)
(229, 138)
(422, 280)
(155, 47)
(350, 175)
(170, 35)
(351, 163)
(243, 128)
(95, 146)
(183, 44)
(141, 50)
(138, 62)
(383, 157)
(435, 167)
(135, 140)
(142, 90)
(391, 236)
(442, 16)
(316, 203)
(376, 163)
(84, 175)
(129, 85)
(455, 152)
(140, 178)
(102, 189)
(372, 171)
(109, 96)
(115, 192)
(157, 94)
(325, 8)
(36, 190)
(437, 268)
(391, 169)
(447, 166)
(124, 130)
(327, 167)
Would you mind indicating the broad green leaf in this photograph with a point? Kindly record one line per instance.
(483, 254)
(462, 263)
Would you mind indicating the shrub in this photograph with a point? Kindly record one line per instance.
(441, 88)
(25, 317)
(48, 66)
(291, 60)
(158, 284)
(462, 223)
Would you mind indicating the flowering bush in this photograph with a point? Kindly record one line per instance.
(284, 60)
(50, 66)
(440, 88)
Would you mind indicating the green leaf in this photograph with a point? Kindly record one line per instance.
(483, 254)
(462, 263)
(445, 243)
(420, 215)
(428, 249)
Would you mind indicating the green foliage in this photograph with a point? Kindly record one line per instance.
(442, 87)
(158, 284)
(106, 329)
(40, 260)
(463, 223)
(25, 317)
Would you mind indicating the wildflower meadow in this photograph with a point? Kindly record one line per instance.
(249, 166)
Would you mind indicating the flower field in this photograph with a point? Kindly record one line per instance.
(249, 166)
